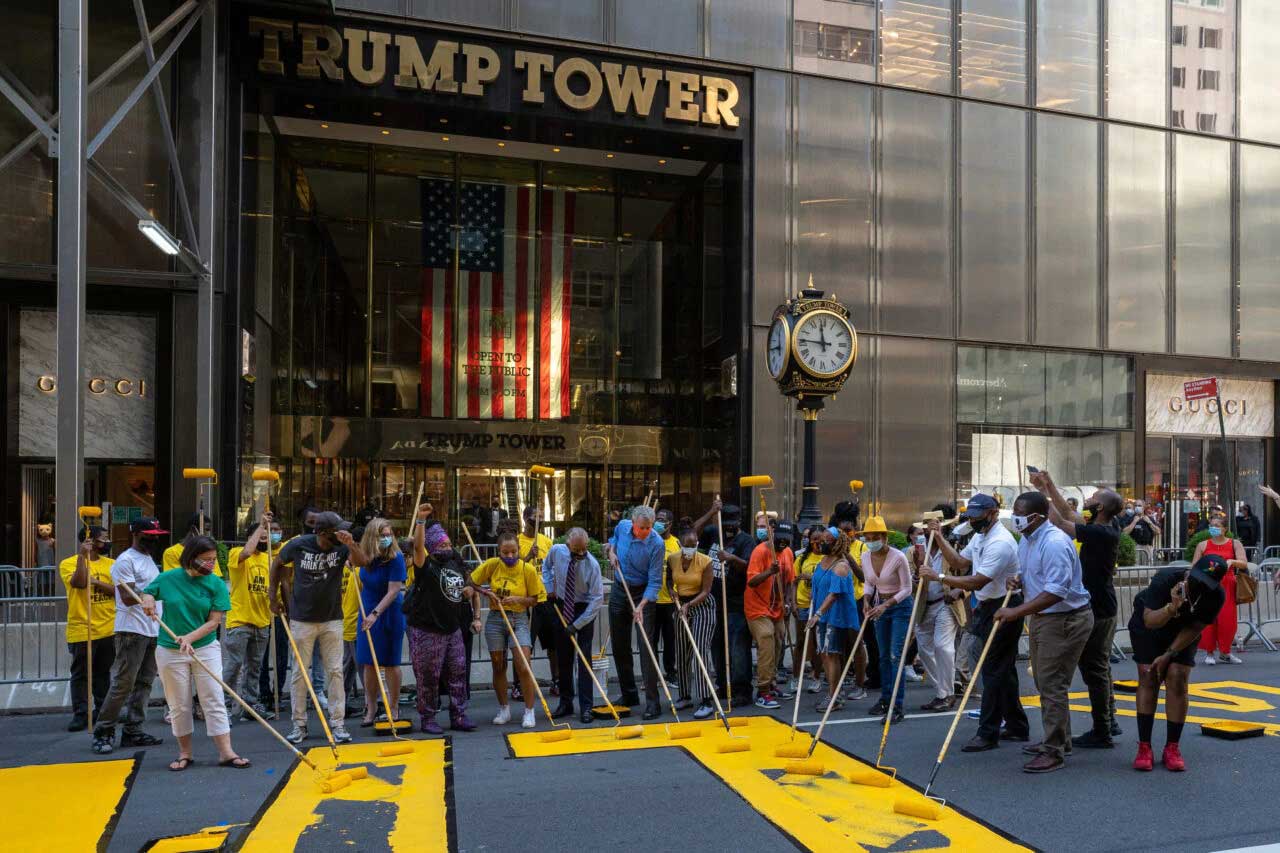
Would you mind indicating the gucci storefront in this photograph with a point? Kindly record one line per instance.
(462, 256)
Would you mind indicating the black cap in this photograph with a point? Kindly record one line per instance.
(1205, 592)
(1209, 571)
(979, 505)
(331, 521)
(147, 527)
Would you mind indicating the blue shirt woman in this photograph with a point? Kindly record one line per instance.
(387, 631)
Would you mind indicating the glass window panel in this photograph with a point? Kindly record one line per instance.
(670, 26)
(1136, 239)
(485, 13)
(750, 31)
(1067, 55)
(1259, 253)
(1117, 392)
(971, 385)
(1073, 389)
(1066, 231)
(915, 44)
(1015, 386)
(575, 19)
(916, 294)
(1207, 52)
(993, 50)
(27, 185)
(1136, 59)
(1081, 461)
(833, 190)
(1202, 227)
(993, 223)
(835, 39)
(1259, 69)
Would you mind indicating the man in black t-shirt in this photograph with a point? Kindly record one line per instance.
(1099, 540)
(731, 564)
(315, 613)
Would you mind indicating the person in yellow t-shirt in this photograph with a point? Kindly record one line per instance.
(543, 622)
(248, 627)
(172, 556)
(350, 627)
(89, 571)
(664, 629)
(516, 586)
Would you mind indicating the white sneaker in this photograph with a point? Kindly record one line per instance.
(529, 721)
(912, 675)
(504, 716)
(815, 686)
(1210, 659)
(1229, 658)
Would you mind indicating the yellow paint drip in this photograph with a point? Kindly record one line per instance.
(421, 819)
(822, 812)
(36, 812)
(208, 839)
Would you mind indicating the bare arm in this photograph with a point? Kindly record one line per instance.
(1058, 521)
(949, 555)
(716, 505)
(1045, 485)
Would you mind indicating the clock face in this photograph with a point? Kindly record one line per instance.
(824, 343)
(779, 350)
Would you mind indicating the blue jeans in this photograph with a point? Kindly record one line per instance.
(891, 635)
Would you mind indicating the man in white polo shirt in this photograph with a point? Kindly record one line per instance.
(134, 668)
(992, 554)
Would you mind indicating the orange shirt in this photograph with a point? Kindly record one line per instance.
(756, 600)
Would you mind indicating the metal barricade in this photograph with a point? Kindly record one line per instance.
(1129, 581)
(1265, 609)
(1272, 552)
(33, 613)
(1164, 556)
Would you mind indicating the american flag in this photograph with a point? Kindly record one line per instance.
(512, 291)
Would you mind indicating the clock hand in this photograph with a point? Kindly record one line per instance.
(822, 344)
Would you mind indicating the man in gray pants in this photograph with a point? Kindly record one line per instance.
(134, 669)
(248, 624)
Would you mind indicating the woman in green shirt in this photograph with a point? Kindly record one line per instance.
(191, 600)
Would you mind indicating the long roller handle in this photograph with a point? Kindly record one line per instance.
(897, 679)
(587, 663)
(702, 666)
(835, 688)
(368, 635)
(304, 667)
(653, 658)
(804, 651)
(724, 613)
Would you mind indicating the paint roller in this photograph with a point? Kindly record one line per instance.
(342, 778)
(679, 730)
(268, 476)
(208, 478)
(393, 726)
(855, 486)
(808, 765)
(557, 733)
(929, 807)
(86, 513)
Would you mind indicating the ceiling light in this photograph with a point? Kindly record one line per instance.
(684, 147)
(156, 234)
(502, 145)
(310, 106)
(506, 127)
(662, 162)
(377, 114)
(386, 133)
(444, 121)
(444, 139)
(568, 134)
(325, 126)
(609, 156)
(556, 150)
(627, 140)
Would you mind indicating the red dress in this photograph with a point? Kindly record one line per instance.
(1219, 635)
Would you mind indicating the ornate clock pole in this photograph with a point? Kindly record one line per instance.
(812, 350)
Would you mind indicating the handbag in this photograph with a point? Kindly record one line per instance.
(1246, 587)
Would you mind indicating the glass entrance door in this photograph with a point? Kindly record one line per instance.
(1186, 477)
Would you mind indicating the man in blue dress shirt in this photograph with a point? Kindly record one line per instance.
(636, 554)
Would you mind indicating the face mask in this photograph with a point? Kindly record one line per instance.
(1022, 522)
(510, 561)
(384, 542)
(979, 525)
(819, 547)
(875, 545)
(688, 553)
(919, 540)
(1215, 531)
(276, 536)
(762, 533)
(204, 568)
(659, 527)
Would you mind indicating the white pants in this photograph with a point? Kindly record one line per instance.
(326, 639)
(177, 671)
(936, 639)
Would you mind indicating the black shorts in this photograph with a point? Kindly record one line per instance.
(1149, 644)
(542, 625)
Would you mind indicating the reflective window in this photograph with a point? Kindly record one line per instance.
(27, 184)
(971, 385)
(915, 44)
(485, 13)
(1022, 386)
(1259, 252)
(1067, 55)
(915, 294)
(1136, 239)
(993, 50)
(833, 190)
(1202, 228)
(994, 460)
(574, 19)
(670, 26)
(749, 31)
(1072, 382)
(836, 39)
(1015, 386)
(1259, 69)
(1204, 41)
(1117, 392)
(1135, 55)
(1066, 231)
(993, 223)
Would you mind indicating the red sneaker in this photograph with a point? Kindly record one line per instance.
(1172, 758)
(1145, 760)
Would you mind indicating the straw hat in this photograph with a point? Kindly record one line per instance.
(875, 524)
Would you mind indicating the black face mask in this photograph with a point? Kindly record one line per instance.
(819, 548)
(980, 525)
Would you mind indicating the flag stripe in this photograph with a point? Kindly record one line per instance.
(566, 278)
(548, 228)
(522, 301)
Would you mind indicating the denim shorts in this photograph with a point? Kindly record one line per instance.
(496, 636)
(802, 616)
(830, 639)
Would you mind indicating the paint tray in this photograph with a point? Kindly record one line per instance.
(1125, 686)
(601, 712)
(1232, 729)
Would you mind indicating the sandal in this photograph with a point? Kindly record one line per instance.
(235, 762)
(364, 724)
(183, 762)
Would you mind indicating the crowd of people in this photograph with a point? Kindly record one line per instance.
(332, 606)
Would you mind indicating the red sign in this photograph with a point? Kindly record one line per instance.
(1200, 389)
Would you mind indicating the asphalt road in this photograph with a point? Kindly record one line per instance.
(665, 801)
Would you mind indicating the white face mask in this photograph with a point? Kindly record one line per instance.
(1022, 522)
(688, 553)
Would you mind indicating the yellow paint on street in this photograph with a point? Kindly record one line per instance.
(39, 815)
(208, 839)
(416, 780)
(821, 813)
(1224, 697)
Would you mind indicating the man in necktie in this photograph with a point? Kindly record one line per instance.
(576, 588)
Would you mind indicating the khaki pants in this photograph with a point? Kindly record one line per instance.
(1057, 639)
(326, 638)
(768, 634)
